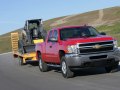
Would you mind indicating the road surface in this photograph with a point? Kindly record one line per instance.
(28, 77)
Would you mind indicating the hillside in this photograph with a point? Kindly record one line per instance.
(105, 20)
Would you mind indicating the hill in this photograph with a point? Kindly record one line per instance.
(105, 20)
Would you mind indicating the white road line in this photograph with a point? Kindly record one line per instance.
(5, 53)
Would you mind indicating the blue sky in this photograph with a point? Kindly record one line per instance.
(13, 13)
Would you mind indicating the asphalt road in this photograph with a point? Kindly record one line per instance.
(28, 77)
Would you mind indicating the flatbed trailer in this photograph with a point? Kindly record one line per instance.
(25, 57)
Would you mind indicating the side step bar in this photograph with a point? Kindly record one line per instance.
(54, 65)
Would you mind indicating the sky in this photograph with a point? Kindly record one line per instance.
(14, 13)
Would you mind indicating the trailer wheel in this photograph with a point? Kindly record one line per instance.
(42, 65)
(66, 72)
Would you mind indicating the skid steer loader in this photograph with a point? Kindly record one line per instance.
(23, 45)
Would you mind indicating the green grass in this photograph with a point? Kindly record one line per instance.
(112, 30)
(5, 42)
(5, 45)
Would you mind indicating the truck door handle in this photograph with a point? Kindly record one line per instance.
(50, 46)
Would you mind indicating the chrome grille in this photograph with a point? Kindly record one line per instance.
(96, 47)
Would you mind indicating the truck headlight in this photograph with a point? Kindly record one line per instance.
(115, 44)
(72, 49)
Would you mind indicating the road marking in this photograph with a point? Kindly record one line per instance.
(5, 53)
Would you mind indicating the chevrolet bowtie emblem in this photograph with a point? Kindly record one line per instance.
(96, 46)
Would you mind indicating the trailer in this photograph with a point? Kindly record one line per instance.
(25, 50)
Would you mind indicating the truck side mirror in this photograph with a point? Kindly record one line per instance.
(102, 33)
(53, 39)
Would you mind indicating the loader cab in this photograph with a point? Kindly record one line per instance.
(33, 30)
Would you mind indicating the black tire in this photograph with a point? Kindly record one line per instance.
(20, 47)
(112, 68)
(42, 65)
(21, 61)
(24, 37)
(66, 72)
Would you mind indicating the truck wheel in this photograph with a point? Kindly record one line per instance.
(66, 72)
(112, 68)
(42, 65)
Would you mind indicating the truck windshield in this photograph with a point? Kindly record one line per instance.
(78, 32)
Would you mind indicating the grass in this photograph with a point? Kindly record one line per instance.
(112, 30)
(5, 42)
(5, 45)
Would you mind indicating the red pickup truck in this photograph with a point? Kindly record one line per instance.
(77, 47)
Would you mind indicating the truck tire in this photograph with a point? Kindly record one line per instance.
(113, 68)
(66, 72)
(42, 65)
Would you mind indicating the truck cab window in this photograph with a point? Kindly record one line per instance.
(49, 36)
(77, 32)
(55, 34)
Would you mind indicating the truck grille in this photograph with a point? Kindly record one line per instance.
(96, 47)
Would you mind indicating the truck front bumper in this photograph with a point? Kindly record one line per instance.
(93, 60)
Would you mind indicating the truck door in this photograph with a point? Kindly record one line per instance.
(55, 47)
(48, 48)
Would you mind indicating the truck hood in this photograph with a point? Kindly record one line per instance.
(99, 38)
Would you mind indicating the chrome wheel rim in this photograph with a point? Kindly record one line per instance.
(64, 67)
(40, 63)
